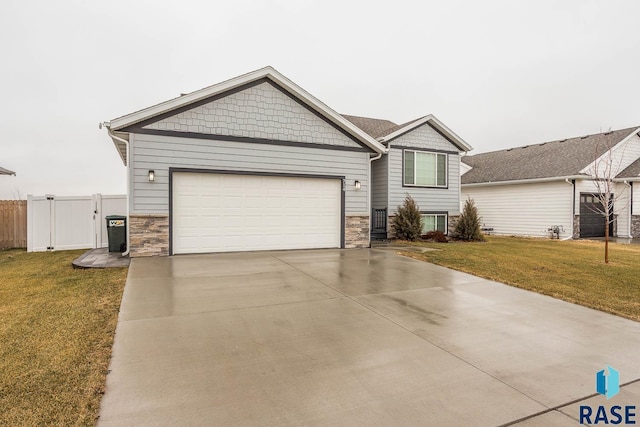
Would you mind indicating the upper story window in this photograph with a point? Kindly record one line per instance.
(425, 169)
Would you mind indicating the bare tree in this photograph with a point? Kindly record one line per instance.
(604, 169)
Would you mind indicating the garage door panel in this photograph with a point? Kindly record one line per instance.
(592, 221)
(221, 213)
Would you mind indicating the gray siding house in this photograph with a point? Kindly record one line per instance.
(258, 163)
(423, 161)
(252, 163)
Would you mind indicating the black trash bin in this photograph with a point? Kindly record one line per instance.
(117, 233)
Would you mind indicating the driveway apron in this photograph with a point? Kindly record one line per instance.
(352, 337)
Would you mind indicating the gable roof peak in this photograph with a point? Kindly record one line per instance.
(436, 124)
(120, 124)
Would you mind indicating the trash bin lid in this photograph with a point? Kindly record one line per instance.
(122, 217)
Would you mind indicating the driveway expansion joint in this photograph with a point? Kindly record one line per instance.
(349, 297)
(196, 313)
(308, 354)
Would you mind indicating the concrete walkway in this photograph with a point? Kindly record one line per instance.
(101, 258)
(352, 337)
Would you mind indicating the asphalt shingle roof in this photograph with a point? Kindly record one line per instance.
(632, 171)
(565, 157)
(376, 128)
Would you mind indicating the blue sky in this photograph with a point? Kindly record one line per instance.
(499, 73)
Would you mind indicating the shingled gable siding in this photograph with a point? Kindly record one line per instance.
(425, 137)
(524, 209)
(429, 199)
(262, 111)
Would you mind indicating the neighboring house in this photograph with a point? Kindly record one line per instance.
(529, 190)
(423, 161)
(258, 163)
(4, 171)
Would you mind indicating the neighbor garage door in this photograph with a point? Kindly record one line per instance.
(592, 221)
(229, 212)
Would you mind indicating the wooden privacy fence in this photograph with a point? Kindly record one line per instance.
(13, 224)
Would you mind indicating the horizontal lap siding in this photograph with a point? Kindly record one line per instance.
(158, 153)
(621, 207)
(429, 199)
(379, 184)
(524, 209)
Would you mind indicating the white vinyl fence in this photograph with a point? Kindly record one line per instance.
(61, 223)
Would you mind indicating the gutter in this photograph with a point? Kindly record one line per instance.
(527, 181)
(115, 138)
(625, 180)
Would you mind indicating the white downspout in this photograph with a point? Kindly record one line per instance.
(629, 208)
(370, 184)
(126, 144)
(371, 160)
(573, 205)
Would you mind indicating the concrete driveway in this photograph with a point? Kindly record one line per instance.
(352, 337)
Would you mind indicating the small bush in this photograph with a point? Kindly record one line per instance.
(436, 236)
(407, 224)
(468, 227)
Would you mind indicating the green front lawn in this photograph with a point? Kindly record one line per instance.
(570, 270)
(56, 332)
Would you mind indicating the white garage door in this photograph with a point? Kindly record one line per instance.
(227, 212)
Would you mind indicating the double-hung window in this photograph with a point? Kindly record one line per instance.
(425, 169)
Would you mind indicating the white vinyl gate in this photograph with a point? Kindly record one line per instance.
(77, 222)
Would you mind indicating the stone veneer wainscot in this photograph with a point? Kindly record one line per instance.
(635, 226)
(356, 233)
(149, 235)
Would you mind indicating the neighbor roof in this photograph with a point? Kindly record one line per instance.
(563, 158)
(632, 171)
(4, 171)
(118, 126)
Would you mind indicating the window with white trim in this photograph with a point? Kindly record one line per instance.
(434, 222)
(425, 169)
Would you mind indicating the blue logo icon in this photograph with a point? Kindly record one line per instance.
(608, 384)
